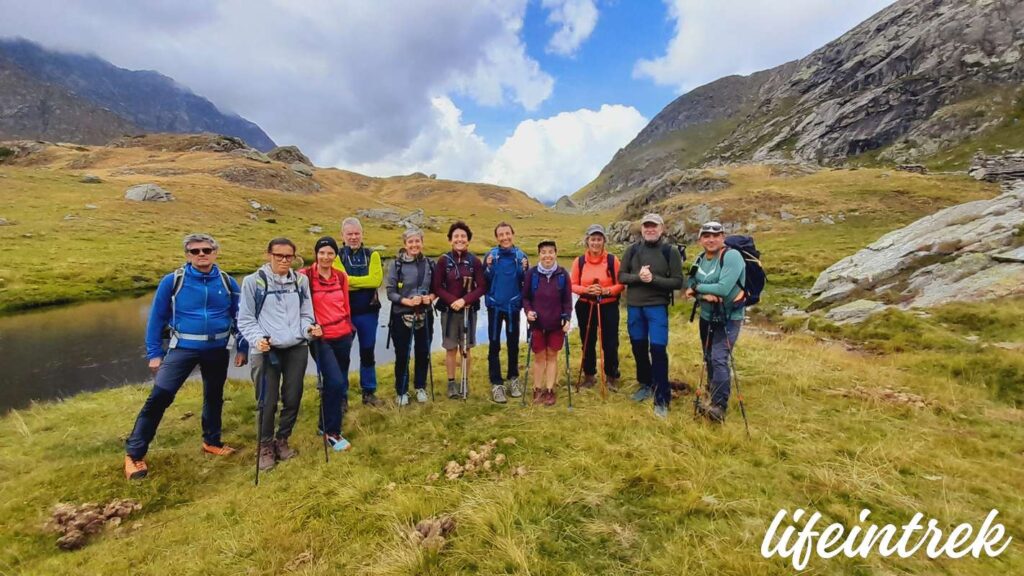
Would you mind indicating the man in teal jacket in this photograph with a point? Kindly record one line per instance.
(716, 280)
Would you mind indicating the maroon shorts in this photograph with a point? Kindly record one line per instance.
(542, 340)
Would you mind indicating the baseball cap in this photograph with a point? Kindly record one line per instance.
(652, 217)
(595, 229)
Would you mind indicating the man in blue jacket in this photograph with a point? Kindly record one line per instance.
(504, 269)
(198, 304)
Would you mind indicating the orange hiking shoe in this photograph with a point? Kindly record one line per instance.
(134, 469)
(224, 450)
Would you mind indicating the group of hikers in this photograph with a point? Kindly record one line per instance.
(280, 316)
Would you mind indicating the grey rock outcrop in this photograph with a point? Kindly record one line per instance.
(964, 252)
(302, 169)
(565, 204)
(289, 155)
(148, 193)
(998, 168)
(855, 312)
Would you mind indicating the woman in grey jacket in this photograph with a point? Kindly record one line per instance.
(408, 283)
(276, 317)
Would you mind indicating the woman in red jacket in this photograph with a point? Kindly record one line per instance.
(595, 279)
(332, 352)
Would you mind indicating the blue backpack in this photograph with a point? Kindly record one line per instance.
(535, 282)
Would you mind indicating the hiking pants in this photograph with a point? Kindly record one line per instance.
(366, 332)
(648, 336)
(495, 318)
(717, 357)
(333, 358)
(278, 375)
(403, 337)
(609, 323)
(174, 370)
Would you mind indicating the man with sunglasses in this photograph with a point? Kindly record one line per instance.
(716, 281)
(652, 270)
(198, 304)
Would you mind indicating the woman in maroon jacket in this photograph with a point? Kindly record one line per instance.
(547, 299)
(459, 285)
(332, 352)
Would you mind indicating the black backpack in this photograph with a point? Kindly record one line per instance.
(756, 276)
(583, 260)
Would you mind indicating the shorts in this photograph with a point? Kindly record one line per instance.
(542, 340)
(453, 326)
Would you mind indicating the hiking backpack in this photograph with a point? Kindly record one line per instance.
(535, 283)
(755, 274)
(666, 253)
(179, 280)
(449, 264)
(262, 292)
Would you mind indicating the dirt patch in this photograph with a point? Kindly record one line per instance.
(885, 395)
(76, 524)
(432, 533)
(270, 178)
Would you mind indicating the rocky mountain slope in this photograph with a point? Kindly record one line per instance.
(143, 99)
(918, 80)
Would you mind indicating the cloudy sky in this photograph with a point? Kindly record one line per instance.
(535, 94)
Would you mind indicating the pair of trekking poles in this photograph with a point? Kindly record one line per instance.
(529, 349)
(718, 318)
(594, 305)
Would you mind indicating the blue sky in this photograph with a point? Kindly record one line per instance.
(533, 94)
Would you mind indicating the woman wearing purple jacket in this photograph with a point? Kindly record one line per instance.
(547, 299)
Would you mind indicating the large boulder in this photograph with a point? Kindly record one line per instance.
(964, 252)
(302, 169)
(999, 168)
(855, 312)
(289, 155)
(148, 193)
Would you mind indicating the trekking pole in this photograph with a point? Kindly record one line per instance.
(705, 351)
(320, 389)
(465, 353)
(263, 394)
(428, 329)
(568, 381)
(586, 340)
(529, 347)
(735, 377)
(600, 348)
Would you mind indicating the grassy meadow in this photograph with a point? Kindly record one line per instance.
(906, 413)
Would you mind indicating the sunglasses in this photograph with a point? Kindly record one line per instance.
(283, 257)
(203, 251)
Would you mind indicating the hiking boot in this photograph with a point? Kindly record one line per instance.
(588, 381)
(549, 397)
(715, 414)
(402, 400)
(661, 411)
(135, 469)
(370, 399)
(498, 394)
(267, 458)
(643, 393)
(515, 388)
(337, 442)
(453, 390)
(538, 395)
(283, 450)
(612, 383)
(222, 450)
(421, 395)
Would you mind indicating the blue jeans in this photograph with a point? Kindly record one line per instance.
(366, 332)
(717, 355)
(495, 318)
(332, 360)
(174, 370)
(648, 336)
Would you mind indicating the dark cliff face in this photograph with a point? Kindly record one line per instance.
(894, 86)
(33, 110)
(146, 99)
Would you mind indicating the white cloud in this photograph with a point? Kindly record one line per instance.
(576, 20)
(716, 39)
(444, 146)
(350, 82)
(554, 156)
